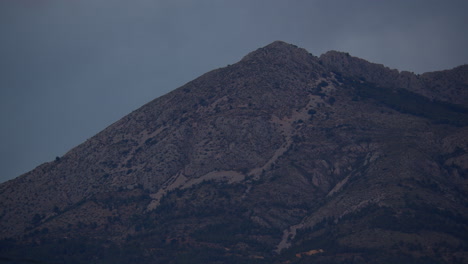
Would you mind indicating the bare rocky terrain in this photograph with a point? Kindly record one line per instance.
(283, 157)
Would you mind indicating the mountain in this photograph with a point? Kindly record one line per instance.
(283, 157)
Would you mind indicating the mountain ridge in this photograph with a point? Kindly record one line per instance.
(386, 77)
(267, 157)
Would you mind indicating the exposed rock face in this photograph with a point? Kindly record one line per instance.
(274, 157)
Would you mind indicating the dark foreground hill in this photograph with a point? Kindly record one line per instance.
(283, 157)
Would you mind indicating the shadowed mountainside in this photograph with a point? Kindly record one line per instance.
(283, 157)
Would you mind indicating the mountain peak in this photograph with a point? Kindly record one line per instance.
(262, 161)
(278, 44)
(279, 52)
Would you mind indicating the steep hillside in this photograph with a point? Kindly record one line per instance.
(283, 157)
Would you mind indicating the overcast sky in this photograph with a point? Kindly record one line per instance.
(70, 68)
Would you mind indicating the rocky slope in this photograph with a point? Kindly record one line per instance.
(283, 157)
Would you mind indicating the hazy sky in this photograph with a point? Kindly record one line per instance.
(70, 68)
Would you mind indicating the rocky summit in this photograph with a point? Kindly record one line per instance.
(283, 157)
